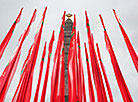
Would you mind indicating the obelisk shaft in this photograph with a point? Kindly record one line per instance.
(67, 37)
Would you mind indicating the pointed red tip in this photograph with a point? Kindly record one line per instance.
(45, 10)
(97, 47)
(34, 16)
(86, 15)
(46, 7)
(102, 21)
(53, 35)
(85, 44)
(87, 20)
(113, 10)
(85, 12)
(78, 32)
(53, 32)
(35, 10)
(116, 16)
(21, 10)
(74, 15)
(63, 17)
(19, 15)
(74, 18)
(100, 15)
(64, 13)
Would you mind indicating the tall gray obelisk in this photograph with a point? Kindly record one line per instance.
(67, 37)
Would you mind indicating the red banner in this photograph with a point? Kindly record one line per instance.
(128, 43)
(119, 77)
(9, 35)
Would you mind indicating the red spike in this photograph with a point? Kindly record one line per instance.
(104, 74)
(19, 16)
(40, 74)
(128, 43)
(64, 15)
(102, 21)
(90, 85)
(119, 77)
(34, 15)
(117, 18)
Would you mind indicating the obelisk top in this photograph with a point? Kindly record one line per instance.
(69, 15)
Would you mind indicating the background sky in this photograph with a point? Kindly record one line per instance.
(126, 9)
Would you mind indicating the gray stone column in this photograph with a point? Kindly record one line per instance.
(67, 37)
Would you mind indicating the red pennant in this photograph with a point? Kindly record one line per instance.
(120, 80)
(57, 91)
(101, 95)
(90, 86)
(26, 88)
(81, 73)
(47, 69)
(11, 68)
(33, 58)
(40, 74)
(128, 43)
(7, 38)
(104, 74)
(22, 78)
(60, 33)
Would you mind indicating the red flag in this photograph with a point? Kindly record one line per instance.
(9, 35)
(25, 94)
(91, 90)
(10, 69)
(128, 43)
(60, 33)
(28, 87)
(47, 68)
(76, 67)
(22, 78)
(104, 74)
(82, 81)
(101, 95)
(59, 93)
(120, 80)
(26, 60)
(40, 74)
(79, 67)
(7, 76)
(57, 67)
